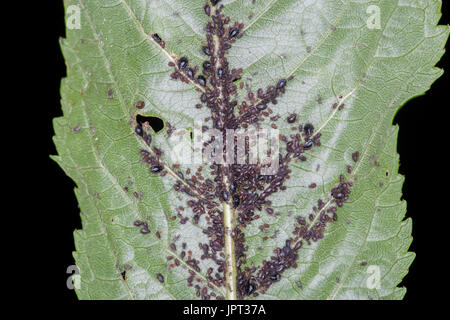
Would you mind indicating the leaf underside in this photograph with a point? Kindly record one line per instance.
(113, 62)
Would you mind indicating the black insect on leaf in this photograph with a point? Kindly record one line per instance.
(326, 223)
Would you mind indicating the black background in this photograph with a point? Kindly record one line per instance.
(423, 129)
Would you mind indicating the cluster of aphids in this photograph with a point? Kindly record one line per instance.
(242, 186)
(262, 278)
(203, 289)
(302, 141)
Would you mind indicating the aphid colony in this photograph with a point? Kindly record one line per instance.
(242, 186)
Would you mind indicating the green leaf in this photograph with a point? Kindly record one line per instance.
(334, 55)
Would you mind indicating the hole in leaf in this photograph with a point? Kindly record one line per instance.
(156, 123)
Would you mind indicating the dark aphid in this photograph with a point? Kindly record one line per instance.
(214, 2)
(206, 65)
(145, 230)
(148, 140)
(281, 84)
(182, 63)
(156, 169)
(298, 245)
(292, 118)
(261, 106)
(288, 243)
(225, 195)
(250, 288)
(233, 187)
(233, 33)
(139, 130)
(308, 129)
(201, 80)
(157, 38)
(138, 223)
(206, 50)
(335, 217)
(220, 72)
(236, 201)
(140, 104)
(308, 144)
(275, 277)
(190, 73)
(355, 156)
(207, 9)
(160, 277)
